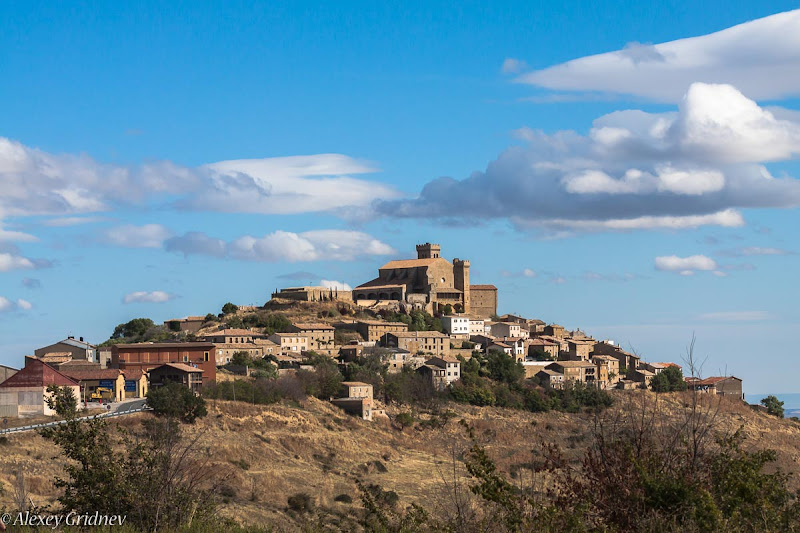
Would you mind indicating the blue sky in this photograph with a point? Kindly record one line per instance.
(370, 128)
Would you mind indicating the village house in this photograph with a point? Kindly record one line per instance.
(476, 326)
(290, 343)
(428, 282)
(482, 340)
(350, 352)
(583, 371)
(500, 346)
(607, 369)
(373, 330)
(456, 326)
(554, 330)
(723, 385)
(536, 327)
(25, 393)
(505, 329)
(228, 342)
(539, 348)
(579, 350)
(550, 378)
(320, 336)
(145, 356)
(642, 376)
(442, 371)
(77, 348)
(431, 342)
(186, 375)
(628, 362)
(356, 398)
(518, 349)
(533, 367)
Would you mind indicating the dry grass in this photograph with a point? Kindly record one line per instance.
(317, 449)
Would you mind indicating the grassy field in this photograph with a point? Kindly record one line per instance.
(268, 453)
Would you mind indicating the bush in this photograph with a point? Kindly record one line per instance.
(404, 420)
(174, 400)
(343, 498)
(301, 502)
(774, 406)
(229, 308)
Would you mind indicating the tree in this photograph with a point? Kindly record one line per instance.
(241, 358)
(62, 400)
(133, 328)
(668, 380)
(174, 400)
(774, 406)
(503, 367)
(448, 309)
(229, 308)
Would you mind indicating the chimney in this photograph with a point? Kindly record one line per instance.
(81, 339)
(71, 337)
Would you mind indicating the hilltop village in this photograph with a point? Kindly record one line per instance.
(418, 315)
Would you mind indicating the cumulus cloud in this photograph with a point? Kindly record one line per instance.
(761, 57)
(336, 285)
(634, 170)
(36, 182)
(12, 261)
(685, 266)
(130, 236)
(147, 297)
(318, 245)
(524, 273)
(7, 305)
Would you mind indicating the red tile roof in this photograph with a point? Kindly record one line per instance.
(38, 374)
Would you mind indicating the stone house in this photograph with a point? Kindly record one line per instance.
(431, 342)
(290, 343)
(356, 398)
(500, 346)
(313, 294)
(190, 324)
(628, 362)
(233, 336)
(555, 330)
(539, 347)
(607, 369)
(320, 336)
(550, 378)
(724, 385)
(442, 371)
(583, 371)
(372, 330)
(505, 329)
(579, 350)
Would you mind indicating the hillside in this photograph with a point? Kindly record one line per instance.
(273, 452)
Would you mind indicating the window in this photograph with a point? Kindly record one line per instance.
(185, 358)
(205, 356)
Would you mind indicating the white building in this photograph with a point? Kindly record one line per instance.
(476, 326)
(456, 325)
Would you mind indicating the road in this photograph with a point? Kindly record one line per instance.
(128, 407)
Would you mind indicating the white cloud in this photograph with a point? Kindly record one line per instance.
(336, 285)
(685, 266)
(7, 305)
(318, 245)
(14, 262)
(736, 316)
(761, 57)
(147, 297)
(130, 236)
(36, 182)
(635, 170)
(525, 273)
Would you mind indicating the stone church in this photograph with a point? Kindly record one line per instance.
(427, 281)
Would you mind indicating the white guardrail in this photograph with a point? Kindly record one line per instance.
(59, 422)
